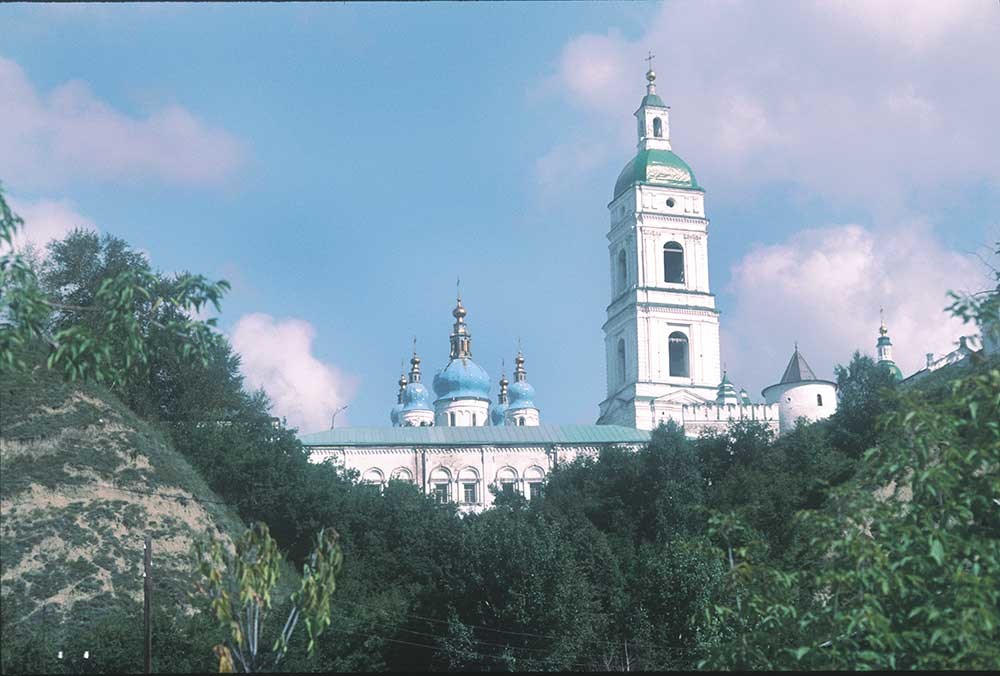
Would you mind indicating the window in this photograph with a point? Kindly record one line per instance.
(657, 127)
(819, 399)
(642, 129)
(534, 489)
(468, 479)
(621, 361)
(441, 485)
(451, 419)
(507, 478)
(678, 351)
(673, 263)
(401, 474)
(671, 202)
(621, 276)
(520, 421)
(473, 419)
(374, 478)
(533, 477)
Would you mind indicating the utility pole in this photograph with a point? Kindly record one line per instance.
(147, 601)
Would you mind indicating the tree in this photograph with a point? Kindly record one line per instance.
(906, 571)
(97, 327)
(865, 391)
(239, 586)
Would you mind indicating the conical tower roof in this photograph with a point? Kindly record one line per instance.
(797, 369)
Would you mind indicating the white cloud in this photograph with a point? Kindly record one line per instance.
(69, 133)
(824, 287)
(277, 355)
(861, 101)
(45, 220)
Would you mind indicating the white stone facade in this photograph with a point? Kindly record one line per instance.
(462, 474)
(462, 413)
(659, 305)
(522, 416)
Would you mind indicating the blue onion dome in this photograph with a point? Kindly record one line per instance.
(499, 409)
(497, 414)
(521, 394)
(394, 413)
(462, 379)
(415, 396)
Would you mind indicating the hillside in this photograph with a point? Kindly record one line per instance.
(82, 482)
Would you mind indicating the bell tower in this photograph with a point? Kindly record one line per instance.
(662, 329)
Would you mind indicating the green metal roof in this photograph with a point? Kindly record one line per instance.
(656, 167)
(653, 100)
(466, 436)
(892, 368)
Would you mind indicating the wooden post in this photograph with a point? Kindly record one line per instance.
(147, 600)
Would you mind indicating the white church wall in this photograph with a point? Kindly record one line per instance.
(467, 412)
(483, 466)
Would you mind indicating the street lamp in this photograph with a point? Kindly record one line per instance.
(333, 419)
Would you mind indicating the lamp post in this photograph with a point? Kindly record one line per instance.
(333, 419)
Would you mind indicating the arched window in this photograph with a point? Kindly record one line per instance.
(520, 421)
(621, 274)
(473, 419)
(374, 478)
(678, 348)
(468, 479)
(533, 477)
(819, 399)
(642, 128)
(673, 263)
(451, 418)
(657, 127)
(507, 479)
(401, 474)
(441, 485)
(621, 361)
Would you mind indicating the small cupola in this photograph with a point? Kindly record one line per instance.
(653, 116)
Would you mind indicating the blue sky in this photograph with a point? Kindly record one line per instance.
(341, 165)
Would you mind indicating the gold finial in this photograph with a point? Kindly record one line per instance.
(461, 339)
(881, 316)
(519, 373)
(414, 364)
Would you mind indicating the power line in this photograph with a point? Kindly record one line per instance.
(660, 646)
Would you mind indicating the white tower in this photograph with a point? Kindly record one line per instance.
(662, 330)
(800, 394)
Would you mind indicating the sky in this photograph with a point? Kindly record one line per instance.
(342, 165)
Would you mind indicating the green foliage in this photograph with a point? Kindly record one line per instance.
(865, 391)
(100, 311)
(239, 586)
(905, 565)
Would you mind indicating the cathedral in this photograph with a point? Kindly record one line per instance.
(460, 444)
